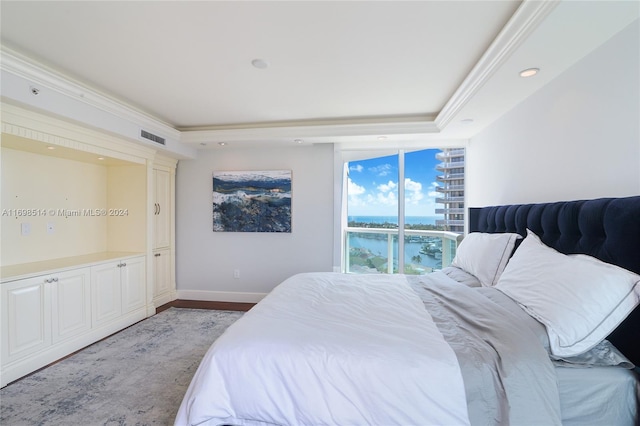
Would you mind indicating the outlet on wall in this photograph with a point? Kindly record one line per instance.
(236, 273)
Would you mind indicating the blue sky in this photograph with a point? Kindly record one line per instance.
(373, 185)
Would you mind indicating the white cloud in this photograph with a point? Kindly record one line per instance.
(382, 170)
(386, 187)
(357, 168)
(354, 189)
(413, 191)
(388, 199)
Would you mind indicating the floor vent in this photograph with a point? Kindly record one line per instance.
(152, 137)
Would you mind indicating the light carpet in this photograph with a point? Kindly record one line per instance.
(136, 377)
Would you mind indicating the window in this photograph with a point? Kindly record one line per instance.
(380, 212)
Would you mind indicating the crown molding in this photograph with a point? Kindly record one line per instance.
(22, 66)
(526, 19)
(377, 119)
(313, 133)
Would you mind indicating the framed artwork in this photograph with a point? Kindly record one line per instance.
(252, 201)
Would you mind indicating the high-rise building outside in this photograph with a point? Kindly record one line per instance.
(451, 188)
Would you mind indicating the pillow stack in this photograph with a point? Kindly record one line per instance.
(579, 298)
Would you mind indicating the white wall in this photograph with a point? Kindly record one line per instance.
(205, 260)
(576, 138)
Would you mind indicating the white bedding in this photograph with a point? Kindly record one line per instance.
(598, 396)
(375, 357)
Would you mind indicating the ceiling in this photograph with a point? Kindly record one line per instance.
(337, 71)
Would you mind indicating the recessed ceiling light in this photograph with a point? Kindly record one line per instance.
(529, 72)
(260, 63)
(51, 147)
(467, 121)
(382, 138)
(298, 141)
(100, 158)
(222, 143)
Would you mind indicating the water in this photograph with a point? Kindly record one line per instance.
(379, 246)
(411, 249)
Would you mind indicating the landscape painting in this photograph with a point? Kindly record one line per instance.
(252, 201)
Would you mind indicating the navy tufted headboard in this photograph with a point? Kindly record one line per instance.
(605, 228)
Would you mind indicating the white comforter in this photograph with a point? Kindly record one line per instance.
(360, 351)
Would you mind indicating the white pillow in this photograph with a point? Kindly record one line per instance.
(578, 298)
(485, 255)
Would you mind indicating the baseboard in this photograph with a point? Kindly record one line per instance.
(220, 296)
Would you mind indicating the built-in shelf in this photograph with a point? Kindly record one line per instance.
(81, 246)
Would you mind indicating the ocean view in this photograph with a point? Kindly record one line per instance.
(369, 251)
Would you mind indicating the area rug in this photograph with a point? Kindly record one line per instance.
(136, 377)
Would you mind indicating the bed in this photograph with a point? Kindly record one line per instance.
(536, 322)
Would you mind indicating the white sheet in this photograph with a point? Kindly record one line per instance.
(598, 396)
(375, 357)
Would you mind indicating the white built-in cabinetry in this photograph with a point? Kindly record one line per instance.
(162, 207)
(116, 289)
(88, 235)
(47, 314)
(164, 289)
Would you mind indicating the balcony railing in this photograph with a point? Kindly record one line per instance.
(453, 210)
(450, 222)
(445, 200)
(450, 165)
(459, 152)
(449, 188)
(449, 176)
(375, 250)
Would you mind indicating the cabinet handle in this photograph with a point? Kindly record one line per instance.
(157, 254)
(158, 208)
(55, 280)
(48, 280)
(156, 213)
(124, 264)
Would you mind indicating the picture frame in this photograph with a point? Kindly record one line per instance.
(252, 201)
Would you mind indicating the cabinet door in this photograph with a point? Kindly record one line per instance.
(71, 303)
(132, 275)
(106, 300)
(26, 314)
(162, 269)
(162, 212)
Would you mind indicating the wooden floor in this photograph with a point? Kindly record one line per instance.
(202, 304)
